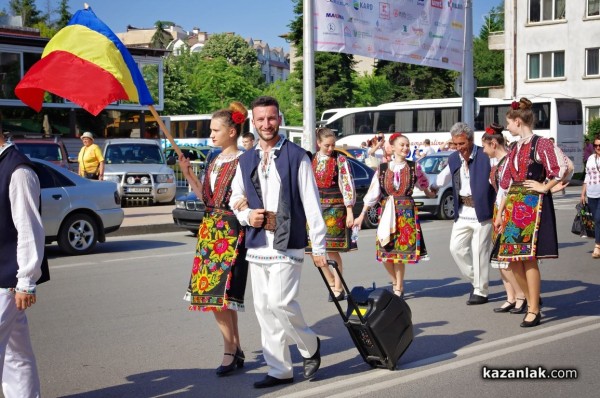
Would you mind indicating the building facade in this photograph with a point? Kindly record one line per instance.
(552, 48)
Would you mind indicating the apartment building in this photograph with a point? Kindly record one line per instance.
(552, 47)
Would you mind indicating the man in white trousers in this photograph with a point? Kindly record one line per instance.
(277, 180)
(21, 255)
(471, 240)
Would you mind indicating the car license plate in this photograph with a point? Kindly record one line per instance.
(138, 190)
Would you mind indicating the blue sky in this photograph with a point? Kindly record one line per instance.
(261, 19)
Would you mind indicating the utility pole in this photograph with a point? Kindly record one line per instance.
(468, 83)
(308, 84)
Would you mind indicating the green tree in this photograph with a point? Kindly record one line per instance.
(290, 103)
(488, 64)
(161, 38)
(217, 83)
(593, 129)
(64, 16)
(409, 82)
(179, 97)
(28, 12)
(371, 90)
(334, 74)
(231, 47)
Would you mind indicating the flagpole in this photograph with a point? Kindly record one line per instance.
(164, 129)
(308, 84)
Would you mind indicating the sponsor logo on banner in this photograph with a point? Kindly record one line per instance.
(417, 57)
(333, 15)
(437, 4)
(384, 10)
(405, 16)
(435, 35)
(331, 28)
(455, 5)
(421, 3)
(456, 25)
(338, 2)
(445, 60)
(360, 5)
(347, 31)
(362, 35)
(418, 31)
(358, 21)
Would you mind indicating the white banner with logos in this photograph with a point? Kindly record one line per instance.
(421, 32)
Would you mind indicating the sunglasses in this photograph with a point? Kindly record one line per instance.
(596, 145)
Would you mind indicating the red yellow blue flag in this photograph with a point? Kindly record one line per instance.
(86, 63)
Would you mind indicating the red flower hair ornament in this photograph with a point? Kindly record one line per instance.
(489, 130)
(394, 137)
(515, 105)
(238, 117)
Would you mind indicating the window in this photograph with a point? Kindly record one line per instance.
(592, 59)
(593, 8)
(547, 10)
(546, 65)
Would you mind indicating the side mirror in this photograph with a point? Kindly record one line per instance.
(72, 159)
(171, 160)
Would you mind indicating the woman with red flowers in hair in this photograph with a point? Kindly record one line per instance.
(399, 237)
(219, 270)
(525, 219)
(494, 145)
(337, 195)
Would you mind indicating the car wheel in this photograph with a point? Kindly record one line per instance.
(78, 234)
(371, 219)
(446, 209)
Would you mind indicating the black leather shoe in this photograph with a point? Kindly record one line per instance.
(270, 381)
(311, 365)
(224, 370)
(532, 323)
(339, 297)
(476, 299)
(522, 308)
(509, 307)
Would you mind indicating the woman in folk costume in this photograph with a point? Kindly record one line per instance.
(528, 226)
(493, 143)
(219, 270)
(336, 191)
(399, 237)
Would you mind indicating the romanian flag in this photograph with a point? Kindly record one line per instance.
(86, 63)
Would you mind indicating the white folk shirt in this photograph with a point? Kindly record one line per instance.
(270, 183)
(24, 195)
(464, 212)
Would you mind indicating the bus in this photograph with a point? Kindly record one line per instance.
(559, 118)
(194, 130)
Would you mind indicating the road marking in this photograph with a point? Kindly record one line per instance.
(359, 386)
(114, 260)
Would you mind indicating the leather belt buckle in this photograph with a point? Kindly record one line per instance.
(270, 222)
(467, 201)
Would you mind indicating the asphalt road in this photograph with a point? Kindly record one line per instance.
(113, 324)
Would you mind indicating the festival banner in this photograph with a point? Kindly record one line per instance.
(421, 32)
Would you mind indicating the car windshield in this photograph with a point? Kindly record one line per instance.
(433, 164)
(50, 152)
(133, 153)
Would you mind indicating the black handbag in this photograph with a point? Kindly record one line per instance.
(583, 224)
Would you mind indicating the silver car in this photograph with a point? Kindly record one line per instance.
(139, 169)
(76, 212)
(442, 205)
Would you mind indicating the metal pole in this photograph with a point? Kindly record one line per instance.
(308, 84)
(468, 84)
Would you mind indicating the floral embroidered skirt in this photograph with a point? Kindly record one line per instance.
(406, 244)
(529, 227)
(494, 262)
(219, 270)
(337, 236)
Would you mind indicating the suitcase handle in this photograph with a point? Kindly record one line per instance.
(351, 302)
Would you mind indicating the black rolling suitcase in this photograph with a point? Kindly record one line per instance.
(378, 321)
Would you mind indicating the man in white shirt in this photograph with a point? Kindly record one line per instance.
(471, 240)
(277, 180)
(426, 149)
(21, 256)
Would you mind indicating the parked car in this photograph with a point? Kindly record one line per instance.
(189, 209)
(355, 152)
(76, 212)
(442, 206)
(49, 149)
(139, 169)
(197, 156)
